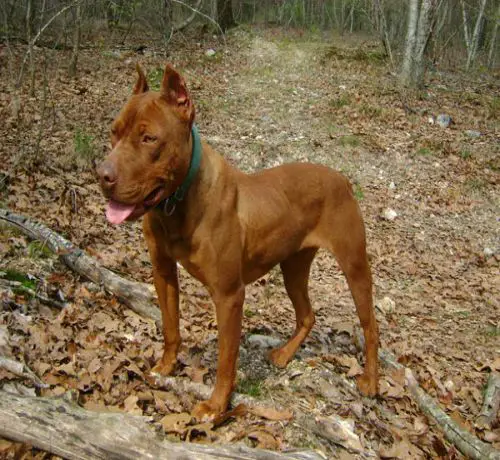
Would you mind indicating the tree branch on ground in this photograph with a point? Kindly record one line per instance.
(467, 443)
(488, 415)
(139, 297)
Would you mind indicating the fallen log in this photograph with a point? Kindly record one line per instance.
(139, 297)
(60, 426)
(488, 415)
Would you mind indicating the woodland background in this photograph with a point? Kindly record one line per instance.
(401, 96)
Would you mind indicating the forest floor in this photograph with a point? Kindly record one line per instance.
(267, 97)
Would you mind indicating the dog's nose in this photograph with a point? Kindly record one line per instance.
(107, 174)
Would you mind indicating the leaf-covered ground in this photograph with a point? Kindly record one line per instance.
(267, 97)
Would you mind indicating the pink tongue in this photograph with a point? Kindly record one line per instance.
(116, 212)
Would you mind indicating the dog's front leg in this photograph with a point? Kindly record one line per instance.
(167, 288)
(229, 307)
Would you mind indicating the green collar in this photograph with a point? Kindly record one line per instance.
(168, 204)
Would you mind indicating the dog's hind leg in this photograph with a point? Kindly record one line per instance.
(348, 245)
(296, 275)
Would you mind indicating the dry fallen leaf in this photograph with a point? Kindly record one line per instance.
(355, 369)
(94, 365)
(176, 423)
(270, 413)
(130, 405)
(401, 450)
(265, 439)
(239, 411)
(420, 425)
(203, 430)
(390, 388)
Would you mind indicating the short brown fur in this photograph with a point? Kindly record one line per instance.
(231, 228)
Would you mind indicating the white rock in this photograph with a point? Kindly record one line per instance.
(389, 214)
(488, 252)
(210, 52)
(386, 305)
(263, 341)
(472, 133)
(392, 186)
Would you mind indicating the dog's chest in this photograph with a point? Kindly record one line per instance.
(182, 250)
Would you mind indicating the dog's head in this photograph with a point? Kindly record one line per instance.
(151, 148)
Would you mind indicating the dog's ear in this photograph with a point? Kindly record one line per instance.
(141, 86)
(174, 90)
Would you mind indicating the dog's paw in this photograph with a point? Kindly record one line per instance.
(164, 367)
(206, 411)
(368, 385)
(278, 358)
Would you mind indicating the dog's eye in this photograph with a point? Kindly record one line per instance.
(148, 139)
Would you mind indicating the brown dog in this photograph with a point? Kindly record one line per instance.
(228, 228)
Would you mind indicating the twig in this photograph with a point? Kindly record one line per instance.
(37, 36)
(18, 286)
(491, 403)
(21, 370)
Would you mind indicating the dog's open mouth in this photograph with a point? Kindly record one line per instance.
(117, 212)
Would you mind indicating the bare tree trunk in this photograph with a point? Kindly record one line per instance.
(466, 27)
(413, 70)
(225, 14)
(493, 40)
(77, 14)
(423, 34)
(472, 50)
(411, 30)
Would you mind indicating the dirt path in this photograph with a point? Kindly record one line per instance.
(265, 99)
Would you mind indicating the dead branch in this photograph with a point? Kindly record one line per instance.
(491, 403)
(21, 370)
(60, 426)
(139, 297)
(466, 442)
(190, 19)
